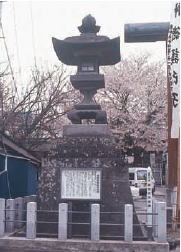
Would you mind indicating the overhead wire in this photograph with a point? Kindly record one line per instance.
(16, 39)
(9, 60)
(1, 3)
(16, 91)
(33, 35)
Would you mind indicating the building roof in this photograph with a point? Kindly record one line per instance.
(8, 145)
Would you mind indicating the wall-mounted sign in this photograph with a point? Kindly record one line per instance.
(80, 184)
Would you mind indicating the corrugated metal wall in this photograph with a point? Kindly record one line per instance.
(19, 180)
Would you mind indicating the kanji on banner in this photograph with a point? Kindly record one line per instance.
(173, 62)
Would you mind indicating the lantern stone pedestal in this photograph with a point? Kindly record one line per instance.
(75, 130)
(99, 153)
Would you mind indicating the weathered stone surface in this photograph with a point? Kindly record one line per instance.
(53, 245)
(75, 130)
(79, 152)
(95, 153)
(31, 220)
(88, 51)
(2, 217)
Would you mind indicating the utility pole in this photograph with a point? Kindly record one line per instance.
(1, 4)
(152, 32)
(1, 95)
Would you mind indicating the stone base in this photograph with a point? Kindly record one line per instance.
(99, 153)
(77, 130)
(46, 245)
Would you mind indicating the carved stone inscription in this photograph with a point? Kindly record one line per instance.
(80, 184)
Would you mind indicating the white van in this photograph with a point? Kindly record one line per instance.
(138, 179)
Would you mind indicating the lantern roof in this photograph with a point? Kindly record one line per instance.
(72, 49)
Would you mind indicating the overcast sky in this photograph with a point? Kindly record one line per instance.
(29, 26)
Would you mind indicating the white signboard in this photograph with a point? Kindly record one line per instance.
(173, 61)
(149, 198)
(152, 159)
(80, 184)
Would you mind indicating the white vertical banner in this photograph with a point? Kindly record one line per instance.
(173, 61)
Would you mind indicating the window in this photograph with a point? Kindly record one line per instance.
(131, 176)
(142, 175)
(87, 68)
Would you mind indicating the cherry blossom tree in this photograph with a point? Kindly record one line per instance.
(135, 99)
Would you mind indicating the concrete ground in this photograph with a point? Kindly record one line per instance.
(177, 249)
(159, 195)
(10, 244)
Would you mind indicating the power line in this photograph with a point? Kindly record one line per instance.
(33, 35)
(1, 4)
(9, 61)
(16, 39)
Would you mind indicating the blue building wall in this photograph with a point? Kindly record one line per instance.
(20, 178)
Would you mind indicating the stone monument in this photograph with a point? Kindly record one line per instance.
(86, 165)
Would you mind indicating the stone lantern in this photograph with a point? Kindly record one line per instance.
(88, 52)
(86, 165)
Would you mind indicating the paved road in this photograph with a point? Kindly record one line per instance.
(140, 205)
(140, 202)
